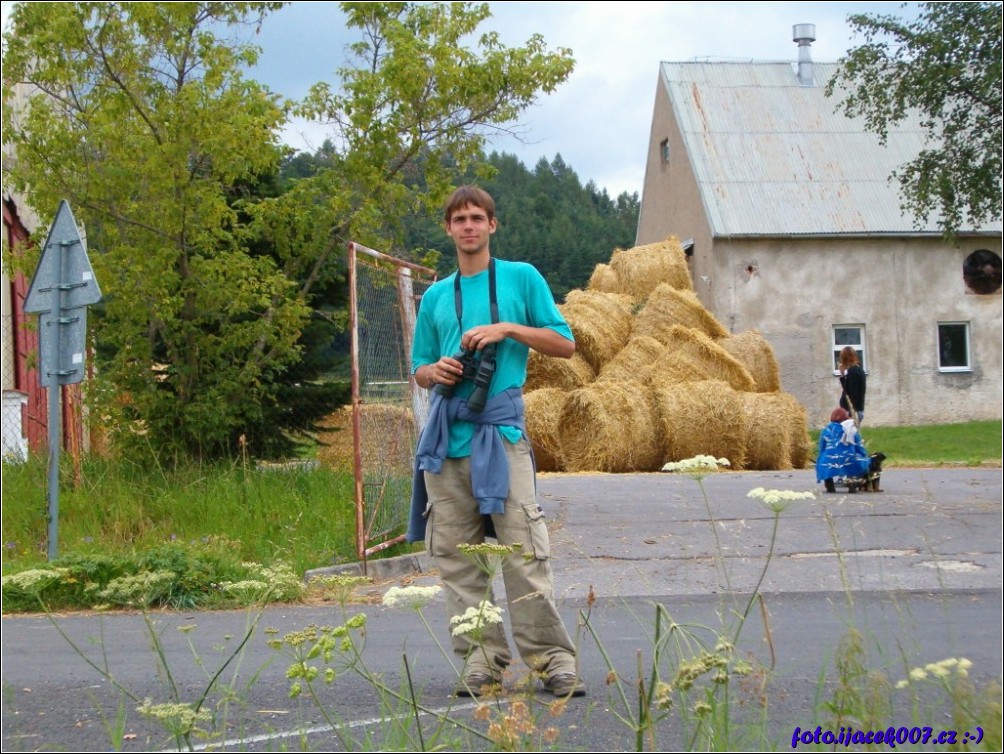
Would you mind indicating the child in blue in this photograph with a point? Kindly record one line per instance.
(841, 451)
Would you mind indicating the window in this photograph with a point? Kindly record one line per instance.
(953, 347)
(849, 335)
(664, 151)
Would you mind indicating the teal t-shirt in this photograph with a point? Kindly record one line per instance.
(523, 297)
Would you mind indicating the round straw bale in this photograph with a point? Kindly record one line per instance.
(691, 355)
(610, 426)
(604, 279)
(756, 354)
(701, 418)
(673, 369)
(768, 432)
(543, 410)
(667, 306)
(387, 438)
(802, 448)
(642, 268)
(550, 371)
(634, 361)
(600, 322)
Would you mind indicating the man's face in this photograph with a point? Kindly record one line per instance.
(470, 229)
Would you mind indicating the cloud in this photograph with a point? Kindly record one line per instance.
(599, 120)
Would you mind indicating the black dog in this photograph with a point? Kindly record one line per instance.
(874, 473)
(869, 483)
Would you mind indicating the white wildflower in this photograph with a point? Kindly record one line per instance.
(938, 670)
(175, 715)
(250, 588)
(145, 588)
(778, 500)
(415, 597)
(697, 466)
(474, 620)
(35, 580)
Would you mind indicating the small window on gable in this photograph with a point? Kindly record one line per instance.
(953, 347)
(848, 335)
(664, 151)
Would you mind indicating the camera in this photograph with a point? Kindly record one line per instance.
(479, 367)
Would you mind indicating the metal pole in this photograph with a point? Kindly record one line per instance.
(357, 459)
(55, 423)
(55, 430)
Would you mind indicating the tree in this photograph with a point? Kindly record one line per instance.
(138, 114)
(146, 125)
(411, 115)
(944, 67)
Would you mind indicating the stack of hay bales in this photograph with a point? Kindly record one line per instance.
(388, 438)
(656, 378)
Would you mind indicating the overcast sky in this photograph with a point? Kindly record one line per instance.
(599, 119)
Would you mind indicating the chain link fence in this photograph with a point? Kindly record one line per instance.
(12, 422)
(375, 436)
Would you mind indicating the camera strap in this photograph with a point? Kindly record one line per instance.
(458, 298)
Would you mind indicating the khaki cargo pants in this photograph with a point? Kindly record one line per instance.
(540, 635)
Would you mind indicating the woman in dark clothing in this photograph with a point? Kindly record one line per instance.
(852, 380)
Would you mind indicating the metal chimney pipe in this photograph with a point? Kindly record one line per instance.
(804, 35)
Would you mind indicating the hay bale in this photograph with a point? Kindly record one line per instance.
(610, 426)
(802, 448)
(387, 438)
(543, 411)
(633, 362)
(756, 354)
(768, 431)
(641, 269)
(550, 371)
(701, 418)
(667, 306)
(691, 355)
(604, 279)
(600, 322)
(674, 368)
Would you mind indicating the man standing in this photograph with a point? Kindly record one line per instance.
(474, 466)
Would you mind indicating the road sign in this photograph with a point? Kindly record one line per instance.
(65, 363)
(64, 278)
(61, 289)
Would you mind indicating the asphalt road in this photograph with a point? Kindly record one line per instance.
(915, 570)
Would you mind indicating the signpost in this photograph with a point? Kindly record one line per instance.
(61, 289)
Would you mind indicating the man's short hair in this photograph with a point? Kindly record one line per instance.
(469, 195)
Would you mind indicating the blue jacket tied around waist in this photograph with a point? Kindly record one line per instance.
(489, 462)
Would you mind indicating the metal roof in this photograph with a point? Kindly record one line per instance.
(773, 157)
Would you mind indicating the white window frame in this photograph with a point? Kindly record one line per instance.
(968, 366)
(837, 347)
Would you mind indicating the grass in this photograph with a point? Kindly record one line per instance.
(967, 444)
(304, 517)
(206, 525)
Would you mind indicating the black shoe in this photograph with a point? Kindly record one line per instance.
(476, 683)
(565, 685)
(830, 486)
